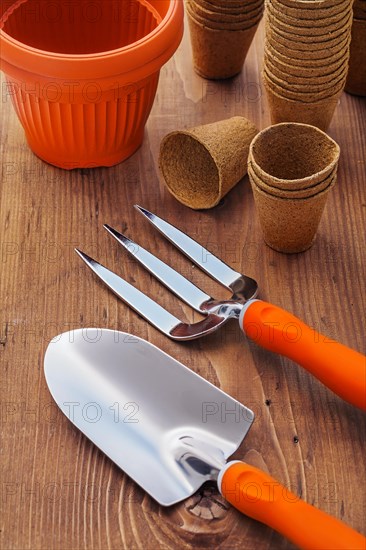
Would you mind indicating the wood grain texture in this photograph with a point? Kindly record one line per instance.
(57, 490)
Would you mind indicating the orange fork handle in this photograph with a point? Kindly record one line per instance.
(261, 497)
(340, 368)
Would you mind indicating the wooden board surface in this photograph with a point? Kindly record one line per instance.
(58, 491)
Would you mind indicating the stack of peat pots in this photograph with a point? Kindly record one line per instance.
(306, 58)
(221, 34)
(356, 79)
(292, 167)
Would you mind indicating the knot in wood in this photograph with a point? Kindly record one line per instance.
(207, 504)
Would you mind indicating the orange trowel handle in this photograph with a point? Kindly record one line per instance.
(261, 497)
(340, 368)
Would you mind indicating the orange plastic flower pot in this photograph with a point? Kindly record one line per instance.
(82, 74)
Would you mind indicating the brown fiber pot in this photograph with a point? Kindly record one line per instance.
(316, 113)
(292, 155)
(200, 165)
(289, 225)
(219, 54)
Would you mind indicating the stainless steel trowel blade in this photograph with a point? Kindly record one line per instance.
(139, 406)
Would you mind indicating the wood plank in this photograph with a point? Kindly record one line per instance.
(58, 490)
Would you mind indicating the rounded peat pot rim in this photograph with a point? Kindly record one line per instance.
(306, 180)
(311, 198)
(291, 28)
(23, 56)
(219, 28)
(290, 193)
(311, 4)
(316, 102)
(310, 65)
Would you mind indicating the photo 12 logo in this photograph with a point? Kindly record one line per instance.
(93, 412)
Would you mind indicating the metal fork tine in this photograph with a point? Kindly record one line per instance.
(207, 261)
(145, 306)
(149, 309)
(174, 281)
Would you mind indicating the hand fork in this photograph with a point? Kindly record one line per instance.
(340, 368)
